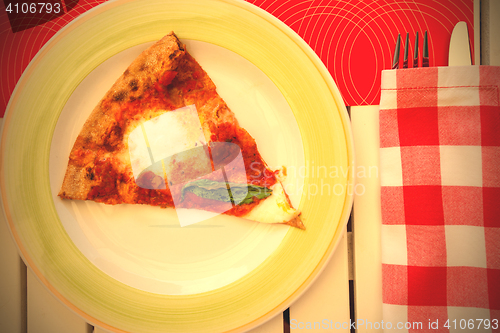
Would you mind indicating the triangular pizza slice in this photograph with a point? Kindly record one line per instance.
(162, 136)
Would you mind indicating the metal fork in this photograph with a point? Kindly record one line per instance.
(425, 52)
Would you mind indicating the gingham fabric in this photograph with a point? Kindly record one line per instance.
(440, 197)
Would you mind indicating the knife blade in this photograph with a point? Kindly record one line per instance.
(459, 51)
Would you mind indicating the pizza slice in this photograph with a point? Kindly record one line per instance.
(162, 136)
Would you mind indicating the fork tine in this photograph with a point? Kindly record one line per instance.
(395, 59)
(415, 51)
(425, 52)
(407, 46)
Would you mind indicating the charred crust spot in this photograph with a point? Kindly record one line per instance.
(113, 139)
(90, 173)
(119, 96)
(126, 73)
(172, 55)
(134, 85)
(179, 44)
(143, 67)
(84, 141)
(105, 106)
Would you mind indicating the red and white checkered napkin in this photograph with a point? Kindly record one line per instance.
(440, 195)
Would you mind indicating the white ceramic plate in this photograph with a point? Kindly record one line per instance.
(79, 252)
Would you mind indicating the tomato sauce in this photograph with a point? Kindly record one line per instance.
(257, 171)
(107, 190)
(161, 198)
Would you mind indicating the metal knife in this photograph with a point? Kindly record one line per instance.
(459, 52)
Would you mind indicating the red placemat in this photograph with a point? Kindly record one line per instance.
(439, 157)
(355, 39)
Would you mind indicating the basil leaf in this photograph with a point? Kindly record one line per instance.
(253, 191)
(239, 193)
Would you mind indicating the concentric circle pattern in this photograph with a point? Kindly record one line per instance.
(354, 38)
(18, 49)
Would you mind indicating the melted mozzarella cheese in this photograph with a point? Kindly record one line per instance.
(274, 209)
